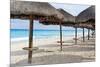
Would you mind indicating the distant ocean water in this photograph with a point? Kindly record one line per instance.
(24, 33)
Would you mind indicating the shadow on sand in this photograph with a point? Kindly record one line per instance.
(50, 59)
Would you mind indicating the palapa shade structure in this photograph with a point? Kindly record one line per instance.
(33, 11)
(86, 19)
(68, 20)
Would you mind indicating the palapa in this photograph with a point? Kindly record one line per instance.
(32, 11)
(86, 19)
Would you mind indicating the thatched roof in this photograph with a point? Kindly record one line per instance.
(86, 18)
(68, 20)
(67, 16)
(89, 26)
(18, 8)
(87, 15)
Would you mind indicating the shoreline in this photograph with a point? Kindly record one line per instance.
(19, 39)
(26, 38)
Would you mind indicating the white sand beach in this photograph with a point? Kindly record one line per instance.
(48, 52)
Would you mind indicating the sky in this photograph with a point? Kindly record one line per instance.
(70, 8)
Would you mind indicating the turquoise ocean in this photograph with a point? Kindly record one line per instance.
(38, 33)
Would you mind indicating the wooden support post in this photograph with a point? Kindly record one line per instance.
(30, 39)
(93, 33)
(88, 34)
(83, 36)
(60, 35)
(75, 35)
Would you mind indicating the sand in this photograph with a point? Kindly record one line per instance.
(48, 52)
